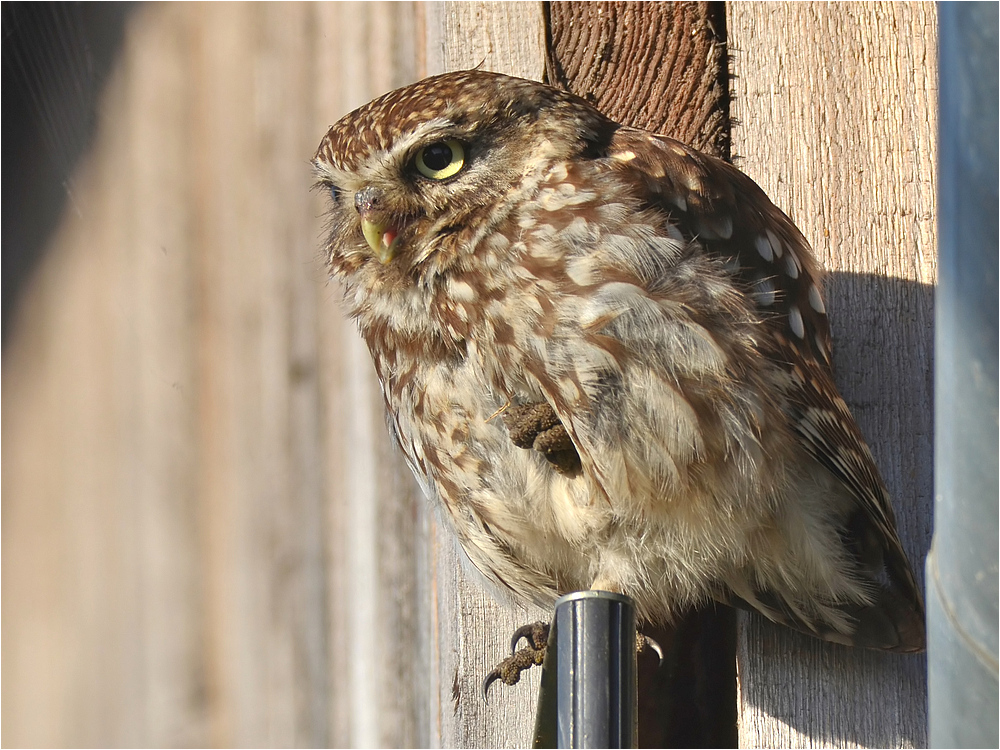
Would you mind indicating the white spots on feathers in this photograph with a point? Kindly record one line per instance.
(775, 243)
(497, 241)
(563, 195)
(625, 156)
(677, 148)
(816, 299)
(795, 322)
(461, 291)
(578, 231)
(559, 172)
(792, 265)
(611, 300)
(691, 181)
(569, 390)
(763, 246)
(677, 236)
(732, 265)
(580, 270)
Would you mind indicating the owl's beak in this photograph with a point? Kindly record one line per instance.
(381, 238)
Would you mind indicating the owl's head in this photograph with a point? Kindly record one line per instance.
(418, 174)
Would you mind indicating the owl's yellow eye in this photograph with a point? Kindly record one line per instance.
(440, 160)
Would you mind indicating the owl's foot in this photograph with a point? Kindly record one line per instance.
(509, 670)
(537, 427)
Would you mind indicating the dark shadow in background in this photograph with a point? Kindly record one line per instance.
(690, 699)
(56, 58)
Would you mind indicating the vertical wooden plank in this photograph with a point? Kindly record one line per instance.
(505, 37)
(259, 481)
(837, 113)
(472, 625)
(379, 617)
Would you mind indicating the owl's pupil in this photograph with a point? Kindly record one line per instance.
(437, 156)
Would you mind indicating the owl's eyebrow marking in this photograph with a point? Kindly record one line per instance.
(430, 130)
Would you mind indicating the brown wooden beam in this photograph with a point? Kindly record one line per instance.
(657, 66)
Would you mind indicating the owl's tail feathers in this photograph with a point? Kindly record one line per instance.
(891, 620)
(895, 622)
(895, 619)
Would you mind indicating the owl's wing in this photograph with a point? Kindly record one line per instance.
(711, 203)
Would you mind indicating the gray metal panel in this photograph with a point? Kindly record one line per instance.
(962, 567)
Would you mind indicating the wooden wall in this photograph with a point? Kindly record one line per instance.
(837, 113)
(207, 537)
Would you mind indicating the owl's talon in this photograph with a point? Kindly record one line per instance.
(537, 427)
(509, 670)
(535, 633)
(644, 643)
(492, 676)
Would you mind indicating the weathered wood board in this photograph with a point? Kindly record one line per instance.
(836, 106)
(207, 538)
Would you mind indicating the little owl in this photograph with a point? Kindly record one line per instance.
(606, 356)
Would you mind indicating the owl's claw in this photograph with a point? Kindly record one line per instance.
(536, 633)
(644, 642)
(509, 670)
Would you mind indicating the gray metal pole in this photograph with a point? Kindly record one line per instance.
(962, 566)
(588, 696)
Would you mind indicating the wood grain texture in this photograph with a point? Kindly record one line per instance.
(376, 522)
(836, 106)
(472, 624)
(656, 66)
(505, 37)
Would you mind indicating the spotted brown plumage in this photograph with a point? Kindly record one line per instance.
(606, 357)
